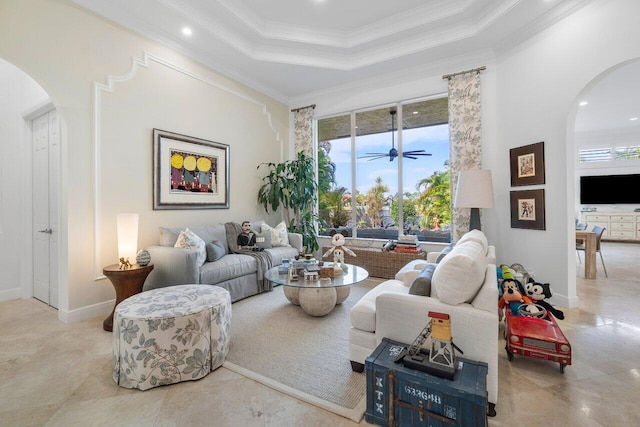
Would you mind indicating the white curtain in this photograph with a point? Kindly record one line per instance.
(465, 132)
(303, 129)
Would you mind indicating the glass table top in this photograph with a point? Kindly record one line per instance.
(354, 274)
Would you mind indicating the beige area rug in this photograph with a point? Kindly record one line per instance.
(277, 344)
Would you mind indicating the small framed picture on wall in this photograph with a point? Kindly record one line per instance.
(527, 165)
(527, 209)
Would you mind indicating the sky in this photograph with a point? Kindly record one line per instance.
(433, 139)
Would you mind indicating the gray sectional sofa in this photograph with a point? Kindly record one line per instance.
(237, 273)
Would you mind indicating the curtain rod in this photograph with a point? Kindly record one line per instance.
(474, 70)
(295, 110)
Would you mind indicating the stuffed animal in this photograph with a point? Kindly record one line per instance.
(338, 249)
(512, 296)
(538, 292)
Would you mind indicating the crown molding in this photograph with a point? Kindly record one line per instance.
(401, 22)
(430, 70)
(333, 49)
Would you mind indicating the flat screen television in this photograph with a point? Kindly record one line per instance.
(610, 189)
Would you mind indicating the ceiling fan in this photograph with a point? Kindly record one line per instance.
(393, 152)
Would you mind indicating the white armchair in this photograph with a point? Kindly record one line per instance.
(464, 286)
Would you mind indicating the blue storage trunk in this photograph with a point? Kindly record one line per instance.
(399, 396)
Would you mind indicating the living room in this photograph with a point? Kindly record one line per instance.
(112, 86)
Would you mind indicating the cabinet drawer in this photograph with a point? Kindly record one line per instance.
(600, 218)
(622, 218)
(621, 225)
(622, 234)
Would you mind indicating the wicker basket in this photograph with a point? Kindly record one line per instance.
(378, 263)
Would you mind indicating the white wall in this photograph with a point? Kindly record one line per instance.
(68, 50)
(18, 94)
(529, 94)
(539, 86)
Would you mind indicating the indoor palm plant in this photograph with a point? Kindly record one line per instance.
(292, 185)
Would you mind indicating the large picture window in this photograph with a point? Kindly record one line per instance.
(384, 172)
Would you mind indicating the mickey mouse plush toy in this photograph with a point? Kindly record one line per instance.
(538, 292)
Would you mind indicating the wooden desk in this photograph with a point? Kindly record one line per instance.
(127, 283)
(590, 244)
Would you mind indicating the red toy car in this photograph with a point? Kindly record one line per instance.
(536, 335)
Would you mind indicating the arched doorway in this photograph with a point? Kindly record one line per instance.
(29, 166)
(604, 129)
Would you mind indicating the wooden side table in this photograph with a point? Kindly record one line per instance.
(126, 282)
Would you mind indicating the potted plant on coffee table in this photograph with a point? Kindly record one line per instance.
(292, 185)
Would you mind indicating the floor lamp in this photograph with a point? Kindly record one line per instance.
(474, 191)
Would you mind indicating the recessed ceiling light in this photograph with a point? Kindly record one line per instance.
(187, 31)
(633, 119)
(583, 103)
(415, 112)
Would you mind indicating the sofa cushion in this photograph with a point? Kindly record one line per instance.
(256, 225)
(444, 253)
(459, 276)
(488, 293)
(279, 234)
(422, 284)
(187, 239)
(169, 235)
(263, 240)
(280, 253)
(363, 314)
(208, 233)
(228, 267)
(215, 250)
(477, 236)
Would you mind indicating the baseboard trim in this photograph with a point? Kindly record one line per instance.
(10, 294)
(564, 301)
(85, 313)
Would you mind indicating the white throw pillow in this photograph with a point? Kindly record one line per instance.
(476, 236)
(459, 276)
(189, 240)
(279, 234)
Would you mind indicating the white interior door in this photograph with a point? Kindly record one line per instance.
(46, 146)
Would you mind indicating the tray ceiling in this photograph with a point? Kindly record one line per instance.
(290, 48)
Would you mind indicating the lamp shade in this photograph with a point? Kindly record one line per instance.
(474, 190)
(127, 224)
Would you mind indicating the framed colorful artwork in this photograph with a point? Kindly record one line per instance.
(527, 209)
(189, 173)
(527, 165)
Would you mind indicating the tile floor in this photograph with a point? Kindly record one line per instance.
(60, 375)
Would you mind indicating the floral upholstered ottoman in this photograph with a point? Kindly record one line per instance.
(169, 335)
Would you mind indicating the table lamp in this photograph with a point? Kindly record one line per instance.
(474, 191)
(127, 224)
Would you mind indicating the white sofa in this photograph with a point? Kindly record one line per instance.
(464, 285)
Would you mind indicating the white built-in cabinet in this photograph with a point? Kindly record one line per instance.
(618, 225)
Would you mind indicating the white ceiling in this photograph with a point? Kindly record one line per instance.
(292, 48)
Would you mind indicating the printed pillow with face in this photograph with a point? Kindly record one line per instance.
(189, 240)
(279, 234)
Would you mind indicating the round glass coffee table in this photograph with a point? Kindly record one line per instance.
(318, 297)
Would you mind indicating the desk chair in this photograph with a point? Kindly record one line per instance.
(581, 246)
